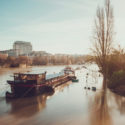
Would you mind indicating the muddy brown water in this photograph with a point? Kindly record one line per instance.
(70, 104)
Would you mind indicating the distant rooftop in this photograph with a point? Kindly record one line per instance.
(21, 42)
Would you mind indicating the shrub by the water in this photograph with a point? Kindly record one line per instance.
(117, 79)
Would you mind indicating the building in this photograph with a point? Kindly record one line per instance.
(9, 52)
(39, 53)
(22, 48)
(19, 48)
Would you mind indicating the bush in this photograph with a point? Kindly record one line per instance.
(117, 79)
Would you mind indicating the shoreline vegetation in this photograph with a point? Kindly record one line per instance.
(115, 75)
(24, 61)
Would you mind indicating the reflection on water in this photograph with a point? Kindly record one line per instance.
(100, 112)
(70, 104)
(32, 105)
(120, 101)
(107, 108)
(29, 107)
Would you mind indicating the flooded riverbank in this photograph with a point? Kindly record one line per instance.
(70, 104)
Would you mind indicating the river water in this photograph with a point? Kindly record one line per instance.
(70, 104)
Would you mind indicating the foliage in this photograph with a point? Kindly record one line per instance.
(57, 60)
(41, 60)
(116, 61)
(117, 79)
(14, 61)
(2, 59)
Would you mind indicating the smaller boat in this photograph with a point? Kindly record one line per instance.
(93, 88)
(75, 80)
(69, 71)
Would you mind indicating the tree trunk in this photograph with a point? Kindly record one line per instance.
(104, 82)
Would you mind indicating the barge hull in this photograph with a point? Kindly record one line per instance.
(27, 90)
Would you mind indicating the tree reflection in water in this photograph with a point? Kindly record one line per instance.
(99, 110)
(120, 102)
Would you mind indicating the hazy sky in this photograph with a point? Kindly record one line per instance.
(57, 26)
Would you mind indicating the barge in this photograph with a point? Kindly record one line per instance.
(31, 84)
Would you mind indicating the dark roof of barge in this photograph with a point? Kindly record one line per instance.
(29, 73)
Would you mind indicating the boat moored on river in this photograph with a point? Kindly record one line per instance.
(26, 84)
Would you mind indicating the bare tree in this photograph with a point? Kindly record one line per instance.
(103, 37)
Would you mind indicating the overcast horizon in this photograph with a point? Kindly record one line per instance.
(55, 26)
